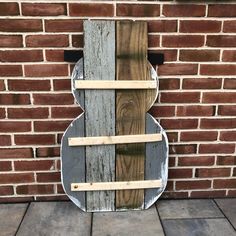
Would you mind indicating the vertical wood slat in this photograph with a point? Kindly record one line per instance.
(99, 64)
(131, 107)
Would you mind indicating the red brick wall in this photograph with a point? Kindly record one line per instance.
(196, 103)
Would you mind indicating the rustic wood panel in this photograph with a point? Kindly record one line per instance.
(131, 106)
(99, 64)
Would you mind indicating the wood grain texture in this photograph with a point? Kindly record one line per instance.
(131, 46)
(99, 64)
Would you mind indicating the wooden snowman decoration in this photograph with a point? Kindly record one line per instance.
(115, 154)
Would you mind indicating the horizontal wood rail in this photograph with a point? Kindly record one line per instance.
(119, 139)
(115, 84)
(119, 185)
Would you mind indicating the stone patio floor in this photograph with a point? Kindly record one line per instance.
(200, 217)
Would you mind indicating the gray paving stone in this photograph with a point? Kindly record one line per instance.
(55, 219)
(198, 227)
(127, 223)
(177, 209)
(10, 218)
(228, 206)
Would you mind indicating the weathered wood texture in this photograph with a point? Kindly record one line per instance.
(131, 46)
(55, 219)
(99, 64)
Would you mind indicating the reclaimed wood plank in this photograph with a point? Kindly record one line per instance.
(55, 219)
(130, 109)
(10, 217)
(99, 64)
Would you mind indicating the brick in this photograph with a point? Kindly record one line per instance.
(39, 41)
(29, 85)
(55, 55)
(218, 123)
(138, 10)
(179, 173)
(9, 9)
(78, 41)
(49, 177)
(62, 85)
(183, 10)
(178, 69)
(224, 183)
(52, 198)
(5, 166)
(202, 83)
(170, 186)
(230, 83)
(221, 41)
(53, 99)
(16, 199)
(179, 123)
(91, 9)
(153, 41)
(162, 26)
(35, 139)
(180, 97)
(222, 10)
(216, 97)
(10, 153)
(198, 136)
(162, 111)
(16, 178)
(174, 195)
(208, 194)
(20, 25)
(226, 160)
(6, 190)
(5, 140)
(225, 110)
(196, 161)
(169, 84)
(195, 110)
(199, 55)
(229, 55)
(212, 172)
(65, 112)
(21, 56)
(217, 148)
(43, 9)
(48, 152)
(10, 41)
(28, 113)
(47, 126)
(64, 25)
(179, 41)
(2, 85)
(229, 26)
(200, 26)
(59, 137)
(34, 189)
(46, 70)
(231, 193)
(10, 70)
(171, 161)
(169, 54)
(228, 135)
(172, 136)
(194, 184)
(2, 113)
(34, 165)
(183, 149)
(60, 188)
(15, 126)
(218, 70)
(14, 99)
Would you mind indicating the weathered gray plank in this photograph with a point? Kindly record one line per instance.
(99, 64)
(10, 218)
(197, 227)
(127, 223)
(177, 209)
(228, 206)
(55, 219)
(156, 166)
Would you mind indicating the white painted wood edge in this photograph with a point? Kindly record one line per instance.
(119, 185)
(116, 84)
(119, 139)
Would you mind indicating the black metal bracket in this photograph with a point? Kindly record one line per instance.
(75, 55)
